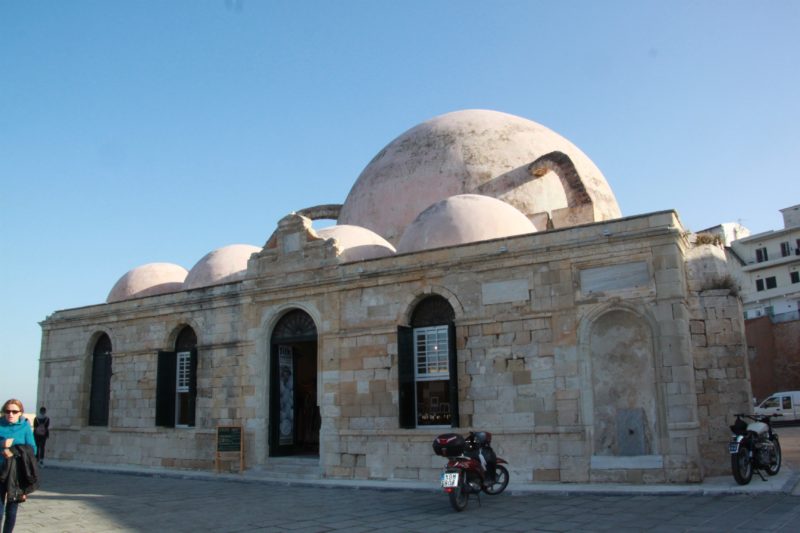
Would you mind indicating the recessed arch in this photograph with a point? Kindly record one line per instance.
(294, 414)
(409, 305)
(100, 380)
(178, 326)
(176, 379)
(619, 369)
(427, 364)
(295, 324)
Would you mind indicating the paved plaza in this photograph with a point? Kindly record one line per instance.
(91, 501)
(96, 501)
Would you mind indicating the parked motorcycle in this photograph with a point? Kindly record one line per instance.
(754, 446)
(472, 467)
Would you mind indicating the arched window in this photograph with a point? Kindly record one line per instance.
(176, 382)
(100, 394)
(428, 382)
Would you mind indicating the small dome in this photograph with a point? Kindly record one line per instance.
(222, 265)
(461, 219)
(148, 280)
(357, 243)
(466, 152)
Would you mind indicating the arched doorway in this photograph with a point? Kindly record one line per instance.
(294, 419)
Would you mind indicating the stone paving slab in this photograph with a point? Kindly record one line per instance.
(787, 480)
(88, 501)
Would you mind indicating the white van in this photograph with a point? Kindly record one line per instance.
(786, 404)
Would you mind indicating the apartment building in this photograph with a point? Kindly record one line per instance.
(770, 269)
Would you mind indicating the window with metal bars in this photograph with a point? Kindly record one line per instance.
(176, 382)
(184, 372)
(427, 360)
(430, 353)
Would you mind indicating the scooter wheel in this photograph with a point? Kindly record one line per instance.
(460, 495)
(500, 481)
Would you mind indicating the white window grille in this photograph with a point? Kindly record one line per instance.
(431, 353)
(183, 374)
(432, 376)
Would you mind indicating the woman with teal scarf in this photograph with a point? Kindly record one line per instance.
(14, 429)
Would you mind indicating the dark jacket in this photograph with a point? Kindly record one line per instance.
(45, 423)
(20, 474)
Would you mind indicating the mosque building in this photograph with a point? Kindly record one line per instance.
(479, 275)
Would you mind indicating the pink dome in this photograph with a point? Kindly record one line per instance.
(222, 265)
(458, 153)
(148, 280)
(357, 243)
(461, 219)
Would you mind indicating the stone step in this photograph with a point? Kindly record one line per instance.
(302, 468)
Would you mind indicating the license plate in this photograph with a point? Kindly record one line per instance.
(450, 479)
(733, 447)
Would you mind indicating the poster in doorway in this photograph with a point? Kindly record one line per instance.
(286, 389)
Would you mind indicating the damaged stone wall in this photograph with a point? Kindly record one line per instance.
(721, 372)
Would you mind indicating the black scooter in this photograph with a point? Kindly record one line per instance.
(754, 446)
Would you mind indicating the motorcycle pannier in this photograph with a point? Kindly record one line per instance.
(448, 445)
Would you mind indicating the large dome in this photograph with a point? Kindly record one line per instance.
(472, 151)
(461, 219)
(148, 280)
(222, 265)
(357, 243)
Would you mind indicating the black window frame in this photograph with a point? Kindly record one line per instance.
(759, 285)
(166, 381)
(771, 282)
(794, 276)
(762, 255)
(434, 310)
(100, 387)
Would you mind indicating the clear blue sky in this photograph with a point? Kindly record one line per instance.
(142, 131)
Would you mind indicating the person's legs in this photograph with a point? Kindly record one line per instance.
(39, 447)
(11, 517)
(8, 510)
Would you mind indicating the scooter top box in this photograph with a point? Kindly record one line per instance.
(449, 445)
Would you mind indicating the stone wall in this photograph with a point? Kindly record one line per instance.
(530, 312)
(721, 371)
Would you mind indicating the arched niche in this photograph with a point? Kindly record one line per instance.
(620, 347)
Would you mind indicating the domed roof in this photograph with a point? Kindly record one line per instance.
(461, 219)
(222, 265)
(148, 280)
(459, 153)
(357, 243)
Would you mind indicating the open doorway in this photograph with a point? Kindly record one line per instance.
(294, 413)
